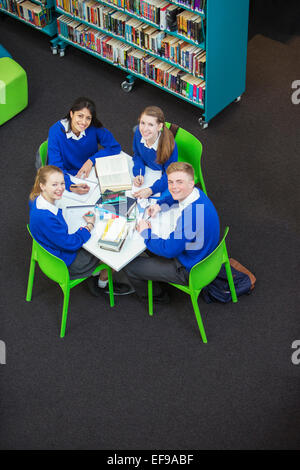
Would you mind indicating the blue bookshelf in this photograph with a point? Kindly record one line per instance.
(50, 29)
(225, 43)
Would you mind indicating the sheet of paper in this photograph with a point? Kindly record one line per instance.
(92, 181)
(150, 177)
(73, 217)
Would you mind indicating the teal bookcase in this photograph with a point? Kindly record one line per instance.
(10, 8)
(225, 38)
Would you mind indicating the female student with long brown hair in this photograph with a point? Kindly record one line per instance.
(154, 146)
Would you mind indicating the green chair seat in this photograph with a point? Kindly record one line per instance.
(202, 274)
(56, 270)
(13, 89)
(43, 151)
(190, 151)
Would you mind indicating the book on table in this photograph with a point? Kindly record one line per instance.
(113, 173)
(117, 202)
(114, 234)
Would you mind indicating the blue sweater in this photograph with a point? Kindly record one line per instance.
(195, 236)
(51, 231)
(70, 154)
(143, 156)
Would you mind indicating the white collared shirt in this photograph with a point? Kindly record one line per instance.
(175, 212)
(41, 203)
(70, 134)
(189, 199)
(153, 146)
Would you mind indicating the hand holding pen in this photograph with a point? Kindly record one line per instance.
(138, 180)
(81, 188)
(89, 217)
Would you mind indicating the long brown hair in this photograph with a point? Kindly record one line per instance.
(166, 141)
(41, 178)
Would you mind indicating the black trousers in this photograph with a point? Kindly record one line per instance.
(155, 268)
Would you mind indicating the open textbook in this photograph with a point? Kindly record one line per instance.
(113, 173)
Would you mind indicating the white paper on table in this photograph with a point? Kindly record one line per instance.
(73, 217)
(149, 178)
(91, 180)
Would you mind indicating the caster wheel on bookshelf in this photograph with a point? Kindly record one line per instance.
(238, 99)
(126, 86)
(202, 123)
(54, 50)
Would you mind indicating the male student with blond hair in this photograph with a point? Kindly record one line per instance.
(195, 236)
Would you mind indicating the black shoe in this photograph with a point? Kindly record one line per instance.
(92, 283)
(162, 298)
(120, 289)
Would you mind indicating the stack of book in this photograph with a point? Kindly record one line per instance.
(114, 234)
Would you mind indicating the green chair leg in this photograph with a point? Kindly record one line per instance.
(230, 282)
(65, 312)
(150, 297)
(30, 280)
(194, 299)
(111, 288)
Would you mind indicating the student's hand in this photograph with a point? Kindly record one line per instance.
(82, 188)
(85, 169)
(153, 210)
(89, 217)
(143, 225)
(138, 180)
(143, 193)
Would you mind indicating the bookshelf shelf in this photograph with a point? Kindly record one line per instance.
(89, 51)
(122, 39)
(50, 29)
(225, 32)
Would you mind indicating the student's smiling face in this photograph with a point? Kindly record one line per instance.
(149, 128)
(180, 185)
(54, 187)
(80, 120)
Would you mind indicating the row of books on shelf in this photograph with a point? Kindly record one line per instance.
(196, 5)
(134, 60)
(28, 11)
(164, 15)
(143, 35)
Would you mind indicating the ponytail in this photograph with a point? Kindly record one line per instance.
(41, 178)
(166, 145)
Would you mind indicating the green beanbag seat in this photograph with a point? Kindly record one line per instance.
(13, 89)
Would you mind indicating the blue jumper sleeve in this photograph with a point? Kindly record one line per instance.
(162, 184)
(57, 234)
(138, 163)
(185, 233)
(54, 155)
(108, 142)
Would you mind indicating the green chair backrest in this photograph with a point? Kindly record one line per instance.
(53, 267)
(189, 150)
(204, 272)
(43, 150)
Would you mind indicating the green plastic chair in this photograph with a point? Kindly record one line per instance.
(190, 151)
(43, 151)
(57, 270)
(202, 274)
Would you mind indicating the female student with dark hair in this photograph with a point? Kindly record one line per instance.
(73, 143)
(154, 146)
(50, 230)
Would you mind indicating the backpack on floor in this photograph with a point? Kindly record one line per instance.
(218, 290)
